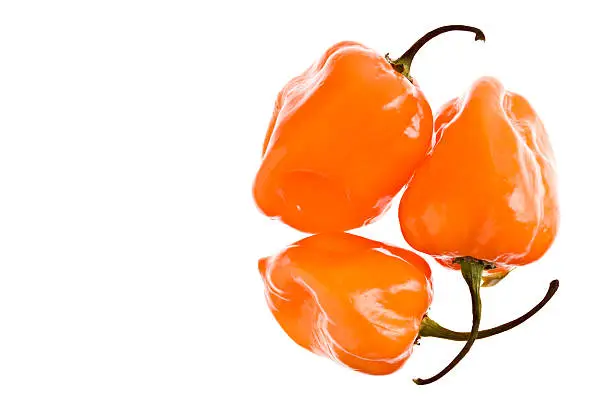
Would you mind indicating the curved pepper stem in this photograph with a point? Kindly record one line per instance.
(430, 328)
(471, 269)
(403, 63)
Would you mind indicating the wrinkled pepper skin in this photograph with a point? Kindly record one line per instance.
(488, 188)
(344, 138)
(356, 301)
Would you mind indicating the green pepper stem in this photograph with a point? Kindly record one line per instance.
(471, 269)
(403, 63)
(430, 328)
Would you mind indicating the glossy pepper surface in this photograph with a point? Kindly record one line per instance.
(345, 137)
(356, 301)
(485, 198)
(488, 190)
(359, 302)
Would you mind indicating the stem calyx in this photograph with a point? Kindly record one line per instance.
(403, 63)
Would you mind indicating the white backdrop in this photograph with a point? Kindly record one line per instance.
(130, 133)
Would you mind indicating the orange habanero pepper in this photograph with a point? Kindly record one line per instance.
(359, 302)
(485, 197)
(344, 138)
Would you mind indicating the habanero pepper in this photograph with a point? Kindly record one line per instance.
(345, 137)
(359, 302)
(485, 199)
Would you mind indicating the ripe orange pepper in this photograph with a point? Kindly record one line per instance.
(485, 198)
(345, 137)
(356, 301)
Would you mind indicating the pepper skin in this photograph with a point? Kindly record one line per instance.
(359, 302)
(344, 138)
(485, 198)
(356, 301)
(488, 190)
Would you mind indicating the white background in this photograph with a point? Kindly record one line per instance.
(130, 132)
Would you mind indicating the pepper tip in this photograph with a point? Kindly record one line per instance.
(262, 265)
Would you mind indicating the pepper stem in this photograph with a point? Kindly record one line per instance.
(403, 63)
(471, 269)
(430, 328)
